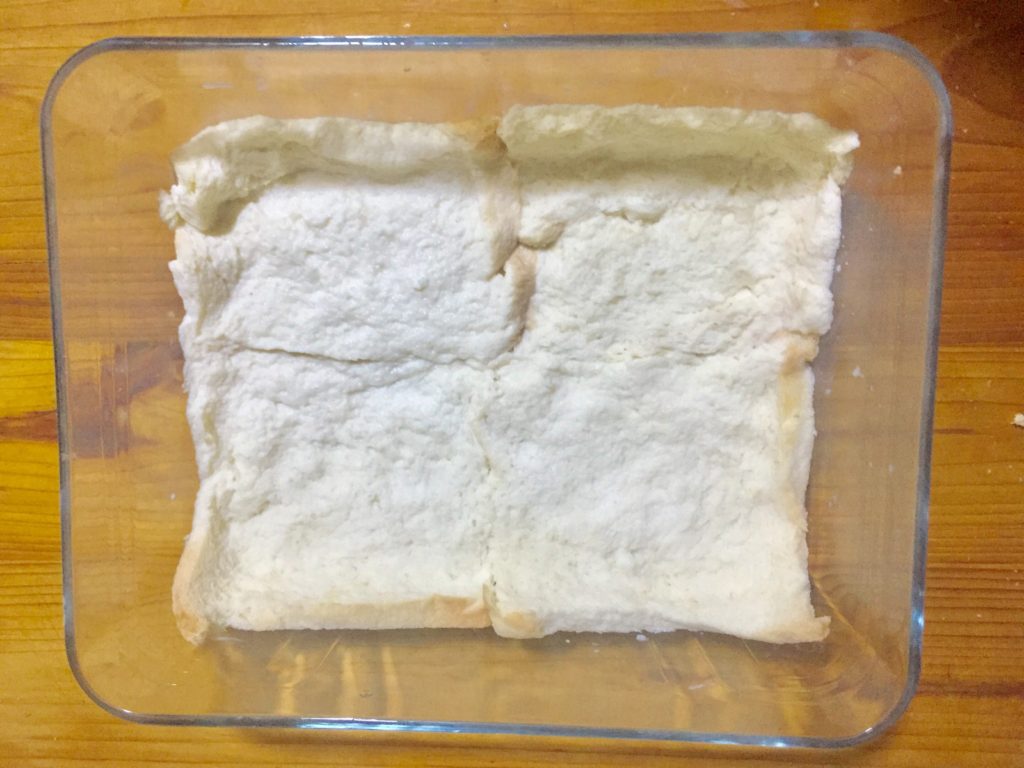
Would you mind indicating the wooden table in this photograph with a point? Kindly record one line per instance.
(970, 704)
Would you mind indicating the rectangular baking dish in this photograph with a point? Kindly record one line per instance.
(113, 114)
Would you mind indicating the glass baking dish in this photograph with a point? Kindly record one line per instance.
(111, 117)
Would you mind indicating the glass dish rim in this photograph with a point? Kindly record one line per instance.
(783, 39)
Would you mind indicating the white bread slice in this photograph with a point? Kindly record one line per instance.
(653, 494)
(365, 510)
(376, 241)
(345, 283)
(675, 230)
(654, 427)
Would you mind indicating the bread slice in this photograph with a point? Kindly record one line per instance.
(548, 375)
(654, 427)
(345, 285)
(351, 240)
(366, 510)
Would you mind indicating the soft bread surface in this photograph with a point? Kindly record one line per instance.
(345, 286)
(548, 374)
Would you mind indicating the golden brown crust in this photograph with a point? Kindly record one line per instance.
(437, 611)
(192, 625)
(796, 436)
(498, 188)
(517, 625)
(795, 413)
(481, 133)
(809, 631)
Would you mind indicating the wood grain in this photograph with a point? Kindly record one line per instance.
(970, 705)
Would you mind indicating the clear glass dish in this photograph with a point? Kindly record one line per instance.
(111, 117)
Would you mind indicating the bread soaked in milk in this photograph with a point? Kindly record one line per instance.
(545, 373)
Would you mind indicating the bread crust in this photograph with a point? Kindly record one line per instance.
(436, 611)
(796, 439)
(188, 615)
